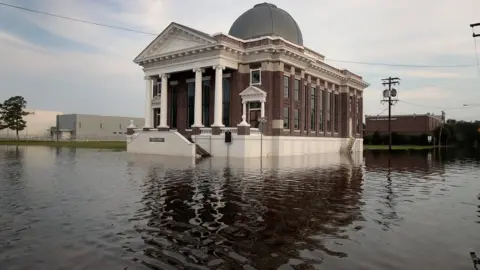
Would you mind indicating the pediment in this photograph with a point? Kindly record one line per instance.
(253, 91)
(174, 38)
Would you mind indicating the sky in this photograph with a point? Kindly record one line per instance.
(72, 67)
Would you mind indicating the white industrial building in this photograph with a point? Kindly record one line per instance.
(39, 123)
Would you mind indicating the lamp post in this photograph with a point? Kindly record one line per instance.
(262, 121)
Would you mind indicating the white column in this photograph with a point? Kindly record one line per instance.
(148, 102)
(244, 109)
(218, 96)
(198, 98)
(163, 102)
(262, 111)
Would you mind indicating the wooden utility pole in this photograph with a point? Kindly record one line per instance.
(390, 96)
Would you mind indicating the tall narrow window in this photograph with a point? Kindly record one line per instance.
(173, 107)
(313, 98)
(337, 113)
(321, 112)
(156, 117)
(305, 103)
(190, 104)
(206, 103)
(286, 86)
(286, 118)
(156, 87)
(226, 102)
(332, 112)
(296, 90)
(296, 119)
(327, 112)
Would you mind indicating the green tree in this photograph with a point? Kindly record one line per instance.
(12, 112)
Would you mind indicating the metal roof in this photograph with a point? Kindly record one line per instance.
(266, 20)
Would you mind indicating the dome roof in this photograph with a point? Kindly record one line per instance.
(266, 20)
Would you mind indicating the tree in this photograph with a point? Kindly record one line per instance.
(12, 112)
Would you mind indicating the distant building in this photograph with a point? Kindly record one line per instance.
(413, 124)
(93, 127)
(39, 123)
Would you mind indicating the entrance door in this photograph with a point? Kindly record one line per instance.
(254, 118)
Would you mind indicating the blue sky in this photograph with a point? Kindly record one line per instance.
(78, 68)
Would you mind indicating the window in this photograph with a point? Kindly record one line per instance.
(331, 111)
(173, 107)
(327, 112)
(206, 103)
(286, 86)
(350, 104)
(120, 126)
(305, 98)
(156, 87)
(337, 113)
(286, 118)
(255, 76)
(321, 111)
(156, 117)
(190, 104)
(114, 132)
(313, 104)
(101, 125)
(357, 107)
(226, 102)
(296, 90)
(296, 119)
(79, 124)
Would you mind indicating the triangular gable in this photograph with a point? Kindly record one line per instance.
(253, 91)
(175, 37)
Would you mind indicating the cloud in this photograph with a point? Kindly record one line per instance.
(425, 93)
(103, 78)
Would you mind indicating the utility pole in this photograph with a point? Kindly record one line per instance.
(390, 96)
(473, 29)
(441, 130)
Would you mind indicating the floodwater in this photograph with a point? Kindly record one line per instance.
(90, 209)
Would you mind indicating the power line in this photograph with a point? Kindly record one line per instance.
(438, 108)
(77, 20)
(155, 34)
(401, 65)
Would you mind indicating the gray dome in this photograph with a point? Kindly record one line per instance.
(266, 20)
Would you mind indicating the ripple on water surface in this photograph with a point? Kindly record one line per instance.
(87, 209)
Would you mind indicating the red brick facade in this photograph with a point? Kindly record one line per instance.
(403, 124)
(272, 82)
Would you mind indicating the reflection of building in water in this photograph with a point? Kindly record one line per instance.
(237, 215)
(402, 161)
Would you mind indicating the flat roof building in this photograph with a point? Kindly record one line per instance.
(411, 124)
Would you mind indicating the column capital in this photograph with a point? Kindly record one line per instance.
(164, 75)
(218, 67)
(146, 78)
(201, 70)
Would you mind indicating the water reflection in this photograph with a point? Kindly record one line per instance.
(212, 217)
(90, 209)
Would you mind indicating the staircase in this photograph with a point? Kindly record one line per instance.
(200, 151)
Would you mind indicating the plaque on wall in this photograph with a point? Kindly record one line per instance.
(157, 139)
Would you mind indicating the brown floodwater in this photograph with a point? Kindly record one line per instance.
(88, 209)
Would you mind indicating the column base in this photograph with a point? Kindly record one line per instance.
(166, 128)
(243, 130)
(147, 128)
(195, 130)
(216, 130)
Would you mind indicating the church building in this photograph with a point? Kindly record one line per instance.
(259, 79)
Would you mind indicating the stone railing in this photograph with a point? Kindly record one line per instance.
(233, 130)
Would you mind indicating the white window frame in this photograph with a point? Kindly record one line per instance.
(260, 76)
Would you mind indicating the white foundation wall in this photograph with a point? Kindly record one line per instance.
(174, 145)
(256, 146)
